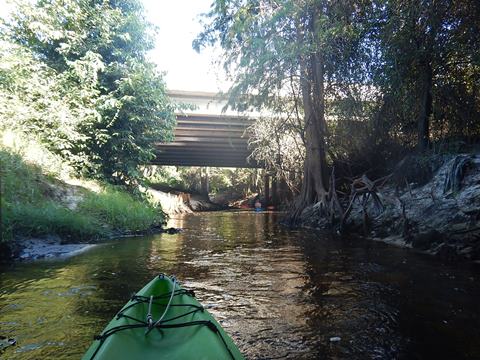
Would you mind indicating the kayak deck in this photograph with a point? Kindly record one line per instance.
(163, 321)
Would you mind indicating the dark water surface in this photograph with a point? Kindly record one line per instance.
(279, 293)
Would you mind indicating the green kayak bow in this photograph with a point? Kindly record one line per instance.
(163, 321)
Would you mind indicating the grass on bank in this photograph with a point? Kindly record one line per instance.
(30, 207)
(120, 210)
(47, 218)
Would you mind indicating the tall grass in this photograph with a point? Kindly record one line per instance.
(27, 210)
(28, 207)
(120, 210)
(20, 182)
(48, 218)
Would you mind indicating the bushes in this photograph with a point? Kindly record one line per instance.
(89, 96)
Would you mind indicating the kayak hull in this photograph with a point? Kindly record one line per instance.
(186, 329)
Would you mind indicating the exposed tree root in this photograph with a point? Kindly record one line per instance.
(363, 189)
(454, 177)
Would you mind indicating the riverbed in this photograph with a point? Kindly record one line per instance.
(281, 294)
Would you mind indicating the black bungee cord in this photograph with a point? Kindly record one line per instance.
(160, 324)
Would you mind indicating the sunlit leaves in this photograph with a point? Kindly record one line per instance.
(74, 74)
(378, 57)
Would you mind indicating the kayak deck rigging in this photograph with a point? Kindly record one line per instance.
(177, 318)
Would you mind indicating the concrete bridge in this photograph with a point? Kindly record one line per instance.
(207, 135)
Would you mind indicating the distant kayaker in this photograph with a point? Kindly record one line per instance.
(258, 204)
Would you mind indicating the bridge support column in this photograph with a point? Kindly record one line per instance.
(274, 190)
(267, 189)
(205, 188)
(283, 191)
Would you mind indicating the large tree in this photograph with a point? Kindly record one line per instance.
(429, 73)
(300, 52)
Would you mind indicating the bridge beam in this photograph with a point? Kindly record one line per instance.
(206, 136)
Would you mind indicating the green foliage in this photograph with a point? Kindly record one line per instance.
(278, 143)
(394, 75)
(74, 75)
(237, 180)
(291, 59)
(120, 210)
(430, 48)
(166, 177)
(189, 179)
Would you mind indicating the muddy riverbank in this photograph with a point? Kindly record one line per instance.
(432, 206)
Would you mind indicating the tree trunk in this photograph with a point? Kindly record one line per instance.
(267, 190)
(204, 181)
(426, 108)
(313, 97)
(275, 190)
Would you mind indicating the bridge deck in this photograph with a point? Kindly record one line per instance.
(206, 137)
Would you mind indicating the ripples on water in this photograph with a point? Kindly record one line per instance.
(279, 293)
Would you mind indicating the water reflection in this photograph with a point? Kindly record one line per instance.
(279, 293)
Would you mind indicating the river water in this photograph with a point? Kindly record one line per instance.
(279, 293)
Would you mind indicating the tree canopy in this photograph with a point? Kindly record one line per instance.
(369, 80)
(75, 75)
